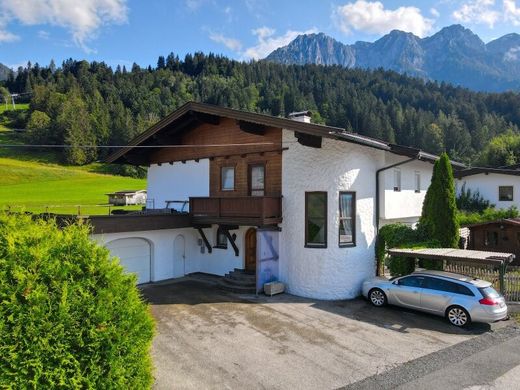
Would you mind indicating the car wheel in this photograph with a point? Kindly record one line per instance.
(377, 297)
(458, 316)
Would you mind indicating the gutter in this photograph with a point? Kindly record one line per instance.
(417, 157)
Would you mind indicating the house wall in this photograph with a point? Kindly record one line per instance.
(177, 182)
(219, 262)
(488, 185)
(332, 272)
(406, 205)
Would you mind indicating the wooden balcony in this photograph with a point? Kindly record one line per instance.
(245, 211)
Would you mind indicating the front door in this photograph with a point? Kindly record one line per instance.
(179, 256)
(251, 250)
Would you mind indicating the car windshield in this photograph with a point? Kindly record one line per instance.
(489, 292)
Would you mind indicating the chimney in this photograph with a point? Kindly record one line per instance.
(301, 116)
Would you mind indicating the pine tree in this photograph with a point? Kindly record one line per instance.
(439, 215)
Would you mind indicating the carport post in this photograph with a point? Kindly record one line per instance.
(501, 273)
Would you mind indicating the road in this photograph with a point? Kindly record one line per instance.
(489, 361)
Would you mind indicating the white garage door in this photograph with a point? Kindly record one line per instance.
(135, 256)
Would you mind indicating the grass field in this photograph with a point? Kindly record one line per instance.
(36, 181)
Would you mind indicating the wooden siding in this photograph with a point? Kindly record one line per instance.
(508, 239)
(226, 132)
(240, 157)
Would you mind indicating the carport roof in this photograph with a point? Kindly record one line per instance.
(460, 255)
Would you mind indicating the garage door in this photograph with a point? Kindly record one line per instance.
(135, 256)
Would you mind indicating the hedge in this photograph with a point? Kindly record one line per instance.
(69, 316)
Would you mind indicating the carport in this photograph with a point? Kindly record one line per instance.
(462, 256)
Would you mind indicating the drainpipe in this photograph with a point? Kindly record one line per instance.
(377, 184)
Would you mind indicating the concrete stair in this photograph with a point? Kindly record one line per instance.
(239, 281)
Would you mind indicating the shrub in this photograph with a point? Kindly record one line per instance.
(400, 266)
(70, 317)
(399, 235)
(471, 201)
(489, 214)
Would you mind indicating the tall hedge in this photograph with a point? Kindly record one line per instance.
(69, 316)
(439, 214)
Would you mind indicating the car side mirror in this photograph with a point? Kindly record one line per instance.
(396, 282)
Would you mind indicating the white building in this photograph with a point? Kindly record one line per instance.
(500, 186)
(282, 198)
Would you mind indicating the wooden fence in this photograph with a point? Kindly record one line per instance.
(511, 278)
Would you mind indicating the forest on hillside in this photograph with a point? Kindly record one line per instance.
(82, 103)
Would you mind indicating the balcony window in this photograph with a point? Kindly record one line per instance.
(227, 175)
(347, 218)
(505, 193)
(316, 219)
(257, 180)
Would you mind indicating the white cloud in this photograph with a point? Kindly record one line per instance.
(82, 18)
(230, 43)
(434, 12)
(43, 34)
(477, 12)
(373, 18)
(6, 36)
(267, 41)
(512, 12)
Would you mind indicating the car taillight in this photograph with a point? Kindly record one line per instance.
(489, 301)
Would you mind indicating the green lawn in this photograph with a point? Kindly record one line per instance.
(38, 181)
(39, 187)
(22, 106)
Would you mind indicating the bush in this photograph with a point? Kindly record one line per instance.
(400, 266)
(69, 317)
(399, 235)
(489, 214)
(471, 201)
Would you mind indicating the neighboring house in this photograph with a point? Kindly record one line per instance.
(126, 198)
(497, 236)
(283, 198)
(500, 186)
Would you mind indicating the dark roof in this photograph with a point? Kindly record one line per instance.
(507, 221)
(477, 170)
(272, 121)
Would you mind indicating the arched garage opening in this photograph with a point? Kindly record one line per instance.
(135, 255)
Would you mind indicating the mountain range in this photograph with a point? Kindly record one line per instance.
(454, 54)
(4, 72)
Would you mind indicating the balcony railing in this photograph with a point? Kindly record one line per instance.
(246, 210)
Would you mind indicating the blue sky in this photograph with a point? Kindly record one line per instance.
(126, 31)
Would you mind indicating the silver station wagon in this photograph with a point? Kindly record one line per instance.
(461, 299)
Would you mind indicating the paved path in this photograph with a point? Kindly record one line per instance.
(489, 361)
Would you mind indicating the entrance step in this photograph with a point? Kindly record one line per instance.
(239, 281)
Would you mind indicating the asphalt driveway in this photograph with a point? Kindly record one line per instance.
(210, 339)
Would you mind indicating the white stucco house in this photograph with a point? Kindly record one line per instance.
(281, 198)
(500, 186)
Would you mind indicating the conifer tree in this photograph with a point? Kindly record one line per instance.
(439, 214)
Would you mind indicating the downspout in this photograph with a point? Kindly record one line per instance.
(377, 185)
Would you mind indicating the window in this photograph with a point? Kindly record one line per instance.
(505, 193)
(446, 286)
(222, 240)
(411, 281)
(397, 179)
(490, 238)
(227, 176)
(257, 180)
(417, 181)
(347, 218)
(316, 219)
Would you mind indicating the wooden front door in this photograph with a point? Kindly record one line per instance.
(251, 250)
